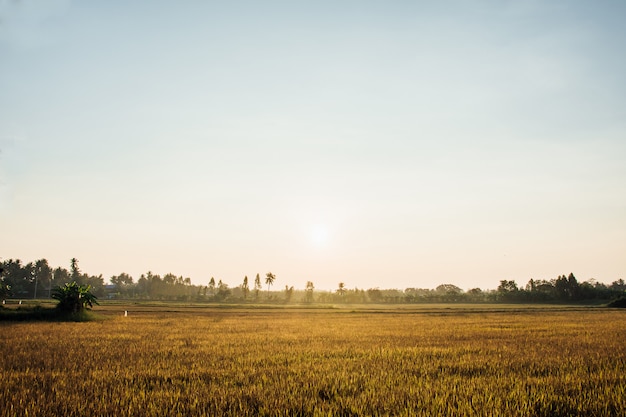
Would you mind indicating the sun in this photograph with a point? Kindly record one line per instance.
(319, 235)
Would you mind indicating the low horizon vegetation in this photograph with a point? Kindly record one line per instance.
(36, 279)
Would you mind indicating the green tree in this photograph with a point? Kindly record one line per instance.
(42, 274)
(257, 286)
(245, 288)
(74, 298)
(507, 290)
(269, 280)
(60, 276)
(342, 289)
(567, 288)
(212, 286)
(288, 293)
(95, 282)
(475, 294)
(17, 277)
(5, 289)
(574, 287)
(448, 292)
(123, 283)
(156, 286)
(618, 286)
(122, 279)
(222, 291)
(308, 292)
(75, 272)
(375, 295)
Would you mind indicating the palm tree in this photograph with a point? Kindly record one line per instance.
(75, 270)
(342, 288)
(269, 280)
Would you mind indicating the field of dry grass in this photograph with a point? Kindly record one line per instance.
(164, 360)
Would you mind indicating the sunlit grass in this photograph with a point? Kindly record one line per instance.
(195, 362)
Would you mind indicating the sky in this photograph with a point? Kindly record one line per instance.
(387, 144)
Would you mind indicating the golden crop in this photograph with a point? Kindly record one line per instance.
(196, 362)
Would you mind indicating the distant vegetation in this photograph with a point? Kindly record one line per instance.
(74, 301)
(38, 279)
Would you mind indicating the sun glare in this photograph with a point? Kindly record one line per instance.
(319, 235)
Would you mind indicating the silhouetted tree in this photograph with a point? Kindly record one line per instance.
(245, 288)
(567, 288)
(269, 280)
(475, 294)
(448, 292)
(288, 293)
(95, 282)
(308, 292)
(123, 283)
(341, 290)
(212, 286)
(75, 272)
(222, 291)
(257, 286)
(507, 290)
(543, 290)
(42, 274)
(619, 285)
(375, 295)
(142, 286)
(573, 287)
(60, 276)
(5, 289)
(18, 277)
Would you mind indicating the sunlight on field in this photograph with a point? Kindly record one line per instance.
(196, 362)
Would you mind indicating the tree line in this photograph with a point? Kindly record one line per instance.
(38, 280)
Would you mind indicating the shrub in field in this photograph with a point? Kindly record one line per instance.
(74, 298)
(619, 303)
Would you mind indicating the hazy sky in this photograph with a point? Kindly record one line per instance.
(386, 144)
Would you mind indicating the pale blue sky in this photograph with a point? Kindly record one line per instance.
(379, 143)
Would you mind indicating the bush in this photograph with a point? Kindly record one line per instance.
(74, 298)
(619, 303)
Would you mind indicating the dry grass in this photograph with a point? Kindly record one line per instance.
(193, 362)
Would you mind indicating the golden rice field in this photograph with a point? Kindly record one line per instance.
(292, 362)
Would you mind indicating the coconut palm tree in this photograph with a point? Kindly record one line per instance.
(269, 280)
